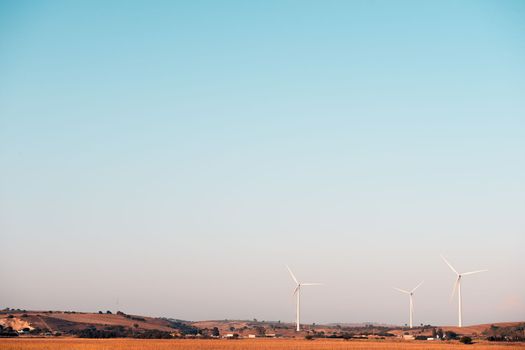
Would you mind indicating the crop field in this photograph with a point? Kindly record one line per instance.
(245, 344)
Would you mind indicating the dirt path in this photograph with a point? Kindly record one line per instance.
(45, 324)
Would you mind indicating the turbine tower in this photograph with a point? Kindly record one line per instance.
(457, 285)
(297, 293)
(410, 294)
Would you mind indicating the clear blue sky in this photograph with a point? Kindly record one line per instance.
(175, 155)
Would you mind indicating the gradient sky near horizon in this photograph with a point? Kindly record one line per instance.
(175, 155)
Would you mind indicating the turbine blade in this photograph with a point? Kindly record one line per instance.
(291, 274)
(401, 290)
(312, 284)
(454, 289)
(473, 272)
(296, 289)
(413, 290)
(449, 265)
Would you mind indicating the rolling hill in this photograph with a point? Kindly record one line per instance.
(33, 323)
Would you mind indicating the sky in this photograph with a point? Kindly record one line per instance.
(169, 158)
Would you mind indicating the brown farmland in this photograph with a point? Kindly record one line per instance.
(245, 344)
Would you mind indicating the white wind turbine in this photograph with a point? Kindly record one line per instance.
(410, 294)
(457, 285)
(297, 293)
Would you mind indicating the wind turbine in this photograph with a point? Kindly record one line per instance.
(457, 285)
(297, 293)
(410, 294)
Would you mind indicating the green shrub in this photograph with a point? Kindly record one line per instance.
(451, 335)
(465, 340)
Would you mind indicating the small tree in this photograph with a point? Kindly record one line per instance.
(215, 332)
(261, 331)
(465, 340)
(347, 336)
(451, 335)
(440, 333)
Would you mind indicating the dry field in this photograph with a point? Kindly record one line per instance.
(245, 344)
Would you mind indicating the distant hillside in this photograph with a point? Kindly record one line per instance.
(362, 324)
(92, 324)
(109, 325)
